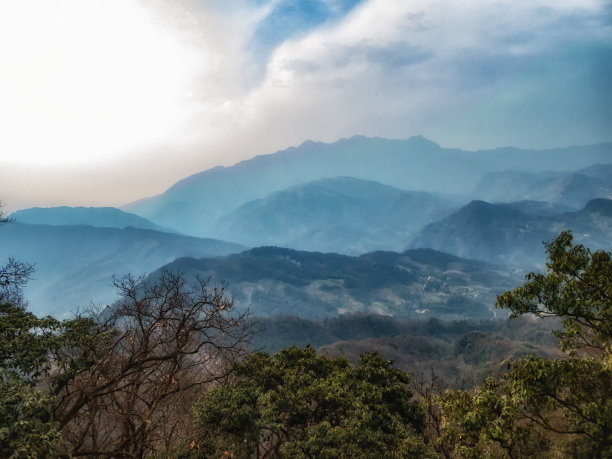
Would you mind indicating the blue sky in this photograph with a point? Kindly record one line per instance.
(107, 101)
(290, 19)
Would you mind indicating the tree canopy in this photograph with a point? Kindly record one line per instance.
(298, 404)
(560, 407)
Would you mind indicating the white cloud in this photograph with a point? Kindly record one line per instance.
(401, 68)
(176, 87)
(83, 81)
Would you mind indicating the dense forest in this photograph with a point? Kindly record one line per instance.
(174, 369)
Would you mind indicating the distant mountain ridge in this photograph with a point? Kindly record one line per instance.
(573, 189)
(345, 198)
(415, 283)
(502, 233)
(194, 204)
(103, 217)
(343, 215)
(75, 264)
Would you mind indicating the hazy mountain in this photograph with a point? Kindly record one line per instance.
(502, 233)
(75, 264)
(603, 171)
(105, 217)
(416, 283)
(194, 204)
(343, 215)
(573, 189)
(538, 208)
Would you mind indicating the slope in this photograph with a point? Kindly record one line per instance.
(343, 214)
(502, 233)
(104, 217)
(193, 204)
(572, 189)
(416, 283)
(75, 264)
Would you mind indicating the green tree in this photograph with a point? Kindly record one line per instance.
(27, 427)
(577, 287)
(544, 407)
(298, 404)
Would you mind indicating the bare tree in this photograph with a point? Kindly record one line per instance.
(127, 392)
(13, 276)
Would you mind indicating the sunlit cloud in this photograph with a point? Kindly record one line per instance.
(145, 93)
(87, 81)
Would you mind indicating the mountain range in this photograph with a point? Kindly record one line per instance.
(75, 264)
(573, 189)
(342, 215)
(194, 204)
(512, 235)
(415, 283)
(104, 217)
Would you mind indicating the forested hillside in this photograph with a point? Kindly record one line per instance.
(170, 369)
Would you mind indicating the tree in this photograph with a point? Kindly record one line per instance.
(561, 406)
(118, 383)
(112, 382)
(27, 428)
(13, 276)
(577, 287)
(298, 404)
(121, 387)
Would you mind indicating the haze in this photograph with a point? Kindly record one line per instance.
(105, 102)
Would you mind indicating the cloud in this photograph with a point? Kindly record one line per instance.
(402, 68)
(287, 19)
(163, 89)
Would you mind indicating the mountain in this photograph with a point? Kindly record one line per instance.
(603, 171)
(105, 217)
(193, 204)
(572, 189)
(75, 264)
(343, 215)
(538, 208)
(503, 233)
(415, 283)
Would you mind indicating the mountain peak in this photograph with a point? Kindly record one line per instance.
(600, 206)
(419, 140)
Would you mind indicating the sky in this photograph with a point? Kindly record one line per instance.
(103, 102)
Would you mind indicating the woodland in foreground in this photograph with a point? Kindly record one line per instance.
(169, 371)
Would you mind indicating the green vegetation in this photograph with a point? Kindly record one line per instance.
(27, 427)
(165, 372)
(298, 404)
(541, 407)
(413, 284)
(116, 383)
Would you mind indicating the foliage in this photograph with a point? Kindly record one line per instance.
(25, 342)
(577, 287)
(544, 407)
(27, 428)
(117, 383)
(298, 404)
